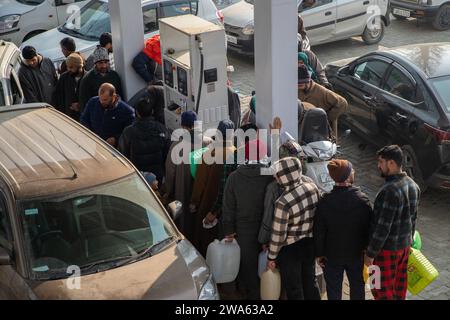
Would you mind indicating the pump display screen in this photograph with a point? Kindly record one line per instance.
(182, 81)
(168, 73)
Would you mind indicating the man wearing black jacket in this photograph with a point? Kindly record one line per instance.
(37, 76)
(146, 142)
(341, 232)
(68, 87)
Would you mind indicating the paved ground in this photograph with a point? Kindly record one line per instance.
(434, 216)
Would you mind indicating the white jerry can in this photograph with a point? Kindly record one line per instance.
(270, 285)
(223, 258)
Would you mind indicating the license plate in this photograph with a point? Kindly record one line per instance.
(231, 39)
(403, 13)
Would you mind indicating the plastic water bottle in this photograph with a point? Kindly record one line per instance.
(223, 258)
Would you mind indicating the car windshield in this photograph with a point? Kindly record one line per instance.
(2, 95)
(94, 18)
(92, 21)
(98, 227)
(441, 86)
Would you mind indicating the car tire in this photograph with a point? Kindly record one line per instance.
(32, 34)
(411, 167)
(442, 20)
(373, 36)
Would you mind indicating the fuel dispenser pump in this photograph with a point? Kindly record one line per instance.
(194, 70)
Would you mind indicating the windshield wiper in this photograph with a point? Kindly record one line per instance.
(89, 266)
(147, 252)
(127, 259)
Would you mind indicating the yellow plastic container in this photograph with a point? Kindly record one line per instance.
(420, 272)
(365, 273)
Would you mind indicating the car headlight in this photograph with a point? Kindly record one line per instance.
(209, 290)
(8, 23)
(249, 29)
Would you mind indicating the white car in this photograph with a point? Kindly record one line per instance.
(22, 19)
(10, 89)
(94, 20)
(324, 21)
(437, 12)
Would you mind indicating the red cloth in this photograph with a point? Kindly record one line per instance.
(394, 279)
(255, 150)
(152, 49)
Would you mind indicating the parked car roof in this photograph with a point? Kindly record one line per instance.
(433, 59)
(7, 49)
(42, 152)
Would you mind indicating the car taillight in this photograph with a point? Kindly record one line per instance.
(439, 134)
(220, 16)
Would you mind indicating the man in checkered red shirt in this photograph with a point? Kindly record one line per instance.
(291, 244)
(393, 225)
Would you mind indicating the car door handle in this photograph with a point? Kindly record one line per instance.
(328, 13)
(366, 3)
(368, 99)
(401, 116)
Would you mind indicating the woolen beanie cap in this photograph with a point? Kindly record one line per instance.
(100, 54)
(340, 170)
(75, 60)
(188, 118)
(303, 74)
(225, 125)
(29, 52)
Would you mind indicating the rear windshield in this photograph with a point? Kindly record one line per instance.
(178, 9)
(31, 2)
(222, 4)
(441, 87)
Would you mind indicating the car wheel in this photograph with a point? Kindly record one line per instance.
(374, 31)
(32, 34)
(442, 20)
(411, 167)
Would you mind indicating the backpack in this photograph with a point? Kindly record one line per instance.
(152, 49)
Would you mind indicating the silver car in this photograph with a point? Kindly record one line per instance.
(324, 21)
(95, 20)
(10, 90)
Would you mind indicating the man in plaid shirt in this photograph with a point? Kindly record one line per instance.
(291, 242)
(393, 225)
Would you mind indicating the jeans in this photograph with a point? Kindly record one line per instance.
(298, 270)
(334, 276)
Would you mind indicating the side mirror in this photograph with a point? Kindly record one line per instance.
(5, 258)
(175, 209)
(344, 71)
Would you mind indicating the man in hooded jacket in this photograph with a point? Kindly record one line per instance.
(242, 212)
(291, 245)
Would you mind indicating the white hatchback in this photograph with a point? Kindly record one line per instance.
(324, 21)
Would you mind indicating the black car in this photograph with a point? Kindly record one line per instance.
(402, 96)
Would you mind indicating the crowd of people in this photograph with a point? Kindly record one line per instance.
(283, 214)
